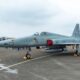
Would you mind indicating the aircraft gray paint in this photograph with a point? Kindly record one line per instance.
(45, 39)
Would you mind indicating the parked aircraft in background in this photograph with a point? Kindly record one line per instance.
(51, 40)
(5, 38)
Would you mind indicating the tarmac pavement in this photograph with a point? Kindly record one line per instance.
(42, 66)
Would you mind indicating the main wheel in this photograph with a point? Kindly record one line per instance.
(77, 53)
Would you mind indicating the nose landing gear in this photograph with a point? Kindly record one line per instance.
(28, 54)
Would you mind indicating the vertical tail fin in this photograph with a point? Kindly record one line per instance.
(76, 32)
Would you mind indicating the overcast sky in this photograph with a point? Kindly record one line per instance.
(19, 18)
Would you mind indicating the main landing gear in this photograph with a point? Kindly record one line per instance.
(77, 53)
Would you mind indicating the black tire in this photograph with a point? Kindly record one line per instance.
(28, 56)
(77, 53)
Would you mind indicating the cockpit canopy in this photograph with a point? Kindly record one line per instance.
(45, 33)
(36, 34)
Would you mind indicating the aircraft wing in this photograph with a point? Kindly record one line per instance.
(65, 41)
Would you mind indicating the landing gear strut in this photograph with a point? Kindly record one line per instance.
(77, 50)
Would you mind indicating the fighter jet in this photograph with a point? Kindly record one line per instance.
(51, 40)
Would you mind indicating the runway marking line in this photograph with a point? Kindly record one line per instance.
(25, 61)
(38, 76)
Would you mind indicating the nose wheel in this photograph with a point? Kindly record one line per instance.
(28, 54)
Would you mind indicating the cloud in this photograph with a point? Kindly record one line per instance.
(31, 17)
(31, 13)
(24, 17)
